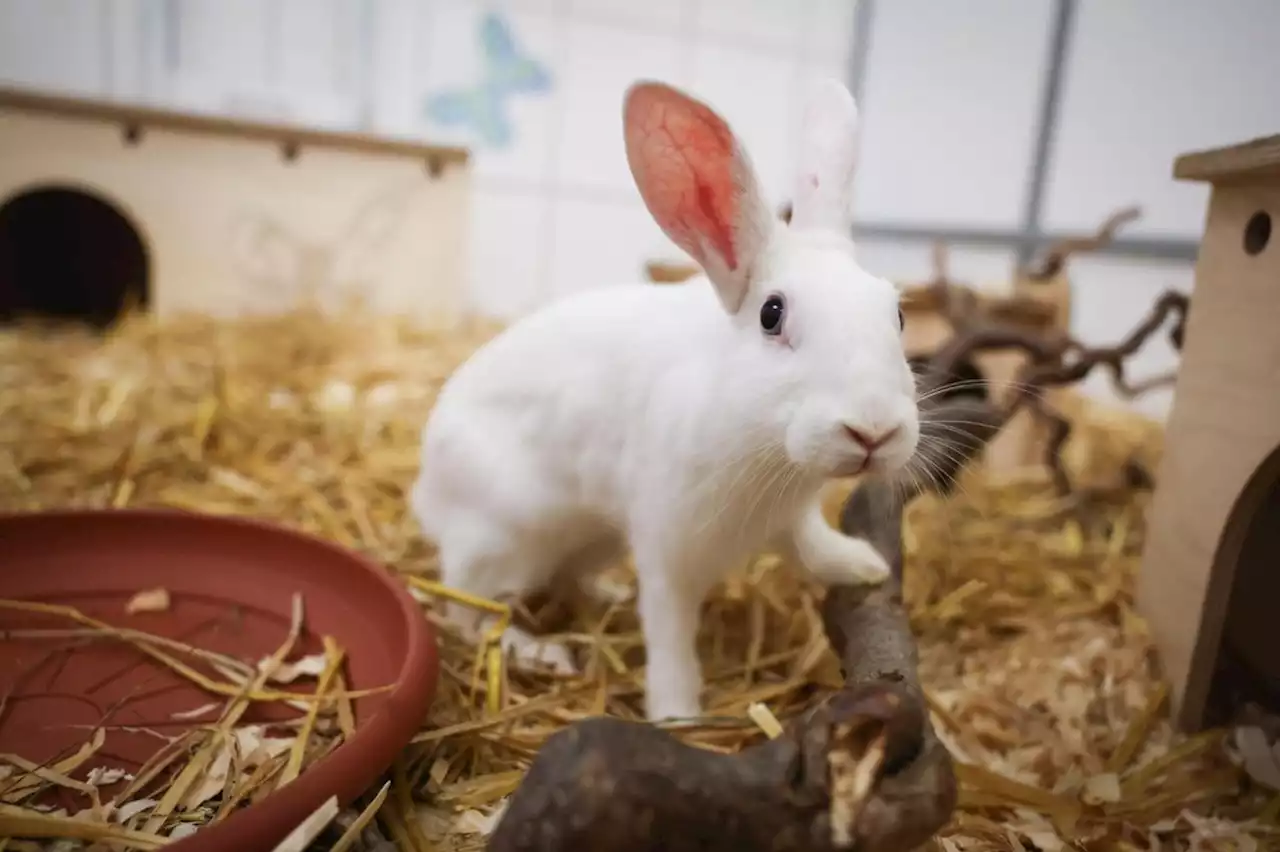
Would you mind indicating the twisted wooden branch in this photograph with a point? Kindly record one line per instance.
(1058, 361)
(1056, 257)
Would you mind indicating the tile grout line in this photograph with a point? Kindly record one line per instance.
(549, 189)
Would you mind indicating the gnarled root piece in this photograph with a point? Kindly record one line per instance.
(862, 771)
(622, 786)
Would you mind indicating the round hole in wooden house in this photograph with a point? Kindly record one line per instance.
(1257, 232)
(964, 380)
(1245, 668)
(69, 254)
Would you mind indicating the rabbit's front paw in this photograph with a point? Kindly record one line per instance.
(673, 708)
(844, 561)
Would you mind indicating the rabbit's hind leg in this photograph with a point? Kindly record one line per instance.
(497, 563)
(582, 570)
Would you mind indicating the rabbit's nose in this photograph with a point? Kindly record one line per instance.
(870, 441)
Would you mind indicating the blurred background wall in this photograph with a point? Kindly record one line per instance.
(995, 124)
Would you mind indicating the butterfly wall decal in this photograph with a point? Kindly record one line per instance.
(482, 108)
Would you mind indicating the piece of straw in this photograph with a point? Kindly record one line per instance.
(309, 829)
(352, 832)
(202, 757)
(15, 823)
(294, 767)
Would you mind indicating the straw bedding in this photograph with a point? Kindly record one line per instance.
(1041, 675)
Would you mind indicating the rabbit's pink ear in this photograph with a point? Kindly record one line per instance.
(698, 184)
(823, 193)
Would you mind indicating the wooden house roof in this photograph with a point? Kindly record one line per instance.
(1253, 159)
(136, 117)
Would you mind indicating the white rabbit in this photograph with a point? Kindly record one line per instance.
(694, 423)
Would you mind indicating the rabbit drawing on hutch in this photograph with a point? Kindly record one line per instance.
(282, 268)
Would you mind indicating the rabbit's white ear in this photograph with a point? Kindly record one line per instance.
(823, 194)
(698, 184)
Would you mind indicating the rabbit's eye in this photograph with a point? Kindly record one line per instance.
(771, 314)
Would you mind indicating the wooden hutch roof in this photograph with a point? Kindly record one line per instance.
(136, 117)
(1253, 159)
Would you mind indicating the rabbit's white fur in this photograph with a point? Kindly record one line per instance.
(664, 418)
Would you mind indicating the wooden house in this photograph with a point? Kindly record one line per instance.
(1210, 573)
(103, 205)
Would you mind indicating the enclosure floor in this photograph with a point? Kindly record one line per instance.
(1042, 677)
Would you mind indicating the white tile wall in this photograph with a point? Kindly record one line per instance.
(767, 24)
(225, 47)
(829, 32)
(393, 100)
(598, 242)
(600, 62)
(545, 7)
(1148, 81)
(989, 269)
(932, 152)
(288, 60)
(509, 235)
(662, 15)
(28, 34)
(129, 49)
(317, 44)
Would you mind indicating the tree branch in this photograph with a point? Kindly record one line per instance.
(1059, 361)
(1056, 257)
(864, 770)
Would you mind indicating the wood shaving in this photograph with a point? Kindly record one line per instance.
(150, 600)
(195, 712)
(310, 666)
(851, 780)
(100, 777)
(1101, 789)
(763, 716)
(129, 810)
(1259, 755)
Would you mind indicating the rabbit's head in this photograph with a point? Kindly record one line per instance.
(817, 339)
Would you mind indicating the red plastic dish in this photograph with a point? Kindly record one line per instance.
(231, 583)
